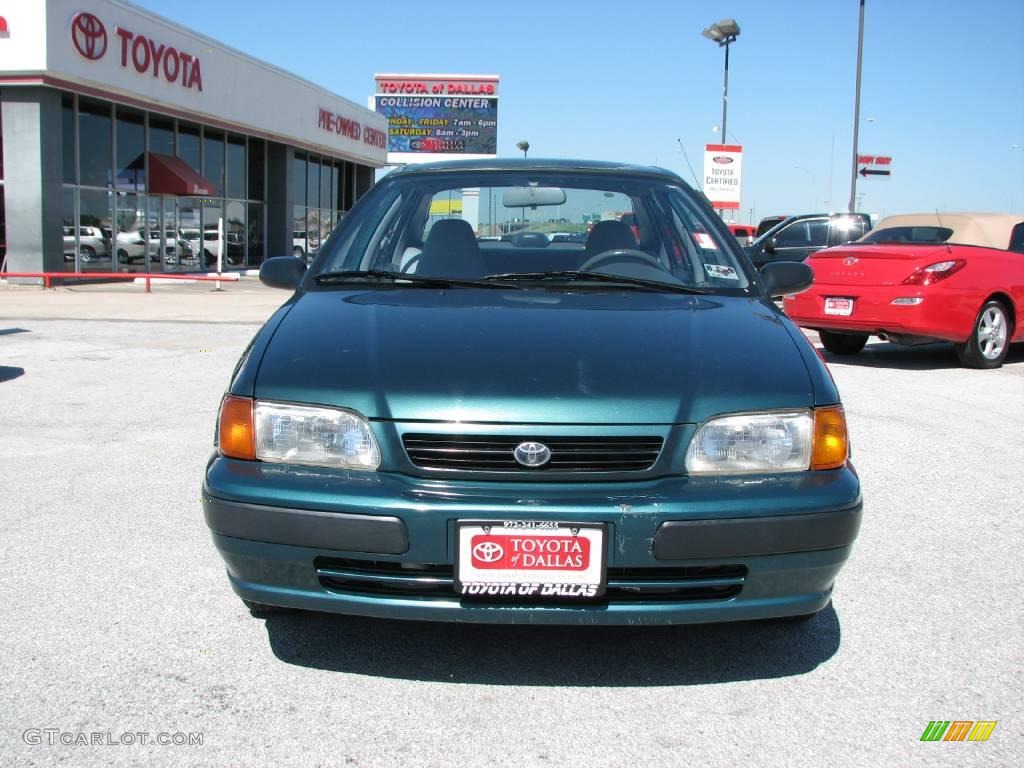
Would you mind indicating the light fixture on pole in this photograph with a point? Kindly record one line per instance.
(524, 145)
(724, 32)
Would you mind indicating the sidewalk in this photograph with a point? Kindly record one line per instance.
(244, 301)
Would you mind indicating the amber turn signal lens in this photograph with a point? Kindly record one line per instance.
(236, 434)
(831, 445)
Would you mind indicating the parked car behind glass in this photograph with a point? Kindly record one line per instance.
(92, 243)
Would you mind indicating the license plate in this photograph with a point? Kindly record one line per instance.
(838, 306)
(529, 559)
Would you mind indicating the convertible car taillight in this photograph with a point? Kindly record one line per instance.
(933, 273)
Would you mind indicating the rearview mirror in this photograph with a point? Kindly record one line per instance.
(782, 277)
(529, 197)
(283, 272)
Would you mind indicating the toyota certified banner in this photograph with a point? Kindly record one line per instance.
(722, 174)
(441, 124)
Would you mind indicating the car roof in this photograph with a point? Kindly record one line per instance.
(990, 230)
(539, 164)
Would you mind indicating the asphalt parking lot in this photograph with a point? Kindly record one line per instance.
(118, 619)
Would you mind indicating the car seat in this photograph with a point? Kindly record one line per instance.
(530, 240)
(451, 251)
(608, 236)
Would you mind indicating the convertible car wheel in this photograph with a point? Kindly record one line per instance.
(843, 343)
(989, 340)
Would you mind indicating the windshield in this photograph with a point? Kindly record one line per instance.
(909, 235)
(555, 227)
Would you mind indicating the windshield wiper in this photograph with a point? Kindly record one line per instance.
(570, 275)
(358, 275)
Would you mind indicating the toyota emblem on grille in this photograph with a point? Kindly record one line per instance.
(488, 552)
(532, 454)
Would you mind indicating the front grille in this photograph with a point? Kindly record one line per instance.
(487, 453)
(633, 585)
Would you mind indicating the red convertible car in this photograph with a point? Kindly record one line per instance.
(920, 278)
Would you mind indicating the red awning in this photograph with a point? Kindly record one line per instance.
(173, 176)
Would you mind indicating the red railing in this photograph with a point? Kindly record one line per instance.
(49, 277)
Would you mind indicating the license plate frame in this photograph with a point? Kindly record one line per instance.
(529, 584)
(839, 306)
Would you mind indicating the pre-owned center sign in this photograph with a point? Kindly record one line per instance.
(723, 165)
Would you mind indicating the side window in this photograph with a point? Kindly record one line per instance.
(807, 233)
(793, 236)
(818, 232)
(1017, 238)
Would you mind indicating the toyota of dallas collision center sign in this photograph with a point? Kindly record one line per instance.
(723, 165)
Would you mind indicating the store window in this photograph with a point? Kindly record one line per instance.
(300, 247)
(325, 184)
(95, 144)
(95, 227)
(131, 150)
(257, 149)
(255, 245)
(236, 167)
(234, 234)
(3, 228)
(213, 159)
(130, 247)
(189, 146)
(68, 229)
(299, 178)
(67, 125)
(313, 183)
(109, 222)
(161, 136)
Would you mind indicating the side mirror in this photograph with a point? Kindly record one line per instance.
(283, 272)
(782, 277)
(769, 246)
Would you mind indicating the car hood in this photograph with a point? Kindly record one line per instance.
(533, 356)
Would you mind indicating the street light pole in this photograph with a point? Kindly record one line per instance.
(524, 145)
(723, 33)
(856, 113)
(725, 94)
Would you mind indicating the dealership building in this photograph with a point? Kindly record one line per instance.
(130, 143)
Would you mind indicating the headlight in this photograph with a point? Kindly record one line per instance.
(752, 442)
(788, 441)
(325, 437)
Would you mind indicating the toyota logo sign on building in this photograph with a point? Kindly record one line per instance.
(89, 35)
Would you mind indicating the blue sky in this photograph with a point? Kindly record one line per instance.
(943, 84)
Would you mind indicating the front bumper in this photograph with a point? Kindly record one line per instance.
(679, 550)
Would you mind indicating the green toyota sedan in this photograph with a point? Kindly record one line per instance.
(458, 416)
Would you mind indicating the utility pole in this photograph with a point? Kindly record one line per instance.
(856, 112)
